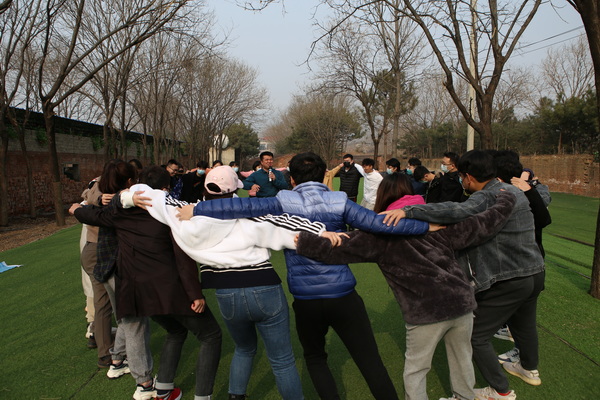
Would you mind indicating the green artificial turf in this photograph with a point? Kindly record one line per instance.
(42, 326)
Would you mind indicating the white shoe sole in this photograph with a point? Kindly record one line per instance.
(524, 378)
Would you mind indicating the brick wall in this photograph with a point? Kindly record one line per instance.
(576, 174)
(72, 150)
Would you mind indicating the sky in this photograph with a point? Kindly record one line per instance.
(276, 41)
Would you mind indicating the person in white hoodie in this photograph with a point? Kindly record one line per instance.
(234, 260)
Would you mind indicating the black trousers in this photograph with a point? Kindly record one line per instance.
(348, 318)
(514, 302)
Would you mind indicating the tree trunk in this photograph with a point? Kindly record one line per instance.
(3, 175)
(53, 165)
(106, 142)
(590, 15)
(29, 170)
(376, 151)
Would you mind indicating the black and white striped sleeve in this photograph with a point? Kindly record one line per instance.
(172, 201)
(292, 222)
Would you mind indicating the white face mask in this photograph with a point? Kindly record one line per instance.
(389, 171)
(444, 168)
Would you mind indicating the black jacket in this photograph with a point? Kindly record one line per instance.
(349, 180)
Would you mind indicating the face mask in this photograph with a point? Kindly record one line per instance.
(200, 172)
(288, 169)
(235, 169)
(347, 164)
(409, 171)
(461, 184)
(389, 171)
(444, 168)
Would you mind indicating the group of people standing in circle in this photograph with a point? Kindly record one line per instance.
(460, 269)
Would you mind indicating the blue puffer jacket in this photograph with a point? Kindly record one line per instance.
(309, 279)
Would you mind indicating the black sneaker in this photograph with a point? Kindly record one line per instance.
(105, 362)
(91, 343)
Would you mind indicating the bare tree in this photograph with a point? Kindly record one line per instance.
(322, 123)
(403, 49)
(68, 41)
(354, 63)
(18, 27)
(5, 5)
(568, 70)
(496, 27)
(514, 94)
(158, 96)
(225, 92)
(590, 15)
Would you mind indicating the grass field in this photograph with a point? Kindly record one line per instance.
(43, 353)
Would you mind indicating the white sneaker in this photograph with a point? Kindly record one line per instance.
(489, 393)
(88, 331)
(510, 356)
(118, 370)
(529, 376)
(504, 334)
(142, 393)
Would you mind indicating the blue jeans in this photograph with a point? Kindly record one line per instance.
(265, 308)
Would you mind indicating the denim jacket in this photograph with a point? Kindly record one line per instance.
(513, 253)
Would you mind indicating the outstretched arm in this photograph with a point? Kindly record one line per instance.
(481, 227)
(235, 207)
(357, 246)
(369, 221)
(278, 232)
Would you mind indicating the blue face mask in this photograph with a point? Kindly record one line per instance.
(444, 168)
(389, 171)
(200, 172)
(409, 171)
(235, 169)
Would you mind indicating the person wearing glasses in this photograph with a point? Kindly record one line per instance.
(175, 170)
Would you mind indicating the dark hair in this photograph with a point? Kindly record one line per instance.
(507, 165)
(172, 161)
(452, 156)
(348, 155)
(420, 172)
(414, 161)
(477, 163)
(116, 176)
(155, 177)
(391, 188)
(136, 163)
(307, 167)
(393, 162)
(265, 153)
(368, 161)
(217, 162)
(232, 163)
(255, 164)
(202, 164)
